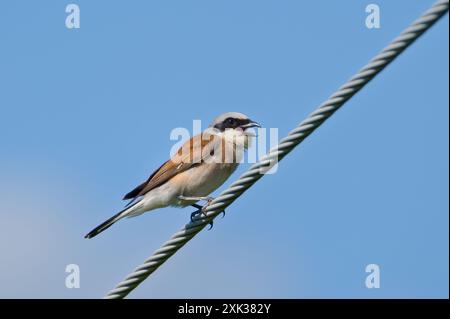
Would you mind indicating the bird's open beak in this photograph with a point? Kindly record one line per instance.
(250, 124)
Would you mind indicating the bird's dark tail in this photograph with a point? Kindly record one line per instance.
(108, 223)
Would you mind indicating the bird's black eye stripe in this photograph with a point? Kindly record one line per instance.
(231, 122)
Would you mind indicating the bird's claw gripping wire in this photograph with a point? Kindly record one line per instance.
(196, 213)
(200, 211)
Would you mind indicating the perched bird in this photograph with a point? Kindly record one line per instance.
(198, 168)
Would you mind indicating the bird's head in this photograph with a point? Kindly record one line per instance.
(235, 125)
(233, 121)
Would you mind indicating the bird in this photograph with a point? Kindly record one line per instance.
(200, 166)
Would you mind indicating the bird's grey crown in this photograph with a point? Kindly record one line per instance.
(230, 120)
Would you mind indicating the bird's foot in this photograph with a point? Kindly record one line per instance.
(199, 212)
(196, 213)
(200, 209)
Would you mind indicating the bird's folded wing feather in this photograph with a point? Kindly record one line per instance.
(192, 153)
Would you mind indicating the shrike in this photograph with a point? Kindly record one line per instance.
(198, 168)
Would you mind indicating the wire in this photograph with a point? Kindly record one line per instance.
(296, 136)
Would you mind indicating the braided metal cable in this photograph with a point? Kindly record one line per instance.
(296, 136)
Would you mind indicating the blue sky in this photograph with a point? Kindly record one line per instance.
(86, 115)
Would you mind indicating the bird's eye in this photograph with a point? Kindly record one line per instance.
(230, 121)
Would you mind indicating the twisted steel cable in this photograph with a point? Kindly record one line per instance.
(296, 136)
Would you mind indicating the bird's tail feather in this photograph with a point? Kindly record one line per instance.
(108, 223)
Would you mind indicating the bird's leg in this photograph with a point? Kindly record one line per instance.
(199, 210)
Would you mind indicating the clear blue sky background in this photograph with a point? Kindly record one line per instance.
(86, 115)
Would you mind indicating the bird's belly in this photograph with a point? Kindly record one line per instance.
(206, 178)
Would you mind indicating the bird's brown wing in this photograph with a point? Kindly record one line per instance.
(191, 154)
